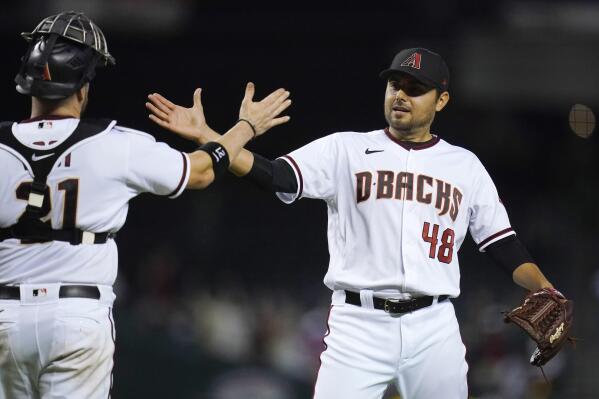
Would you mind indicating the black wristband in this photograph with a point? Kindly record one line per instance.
(219, 155)
(249, 123)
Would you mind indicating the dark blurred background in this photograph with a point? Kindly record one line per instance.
(220, 292)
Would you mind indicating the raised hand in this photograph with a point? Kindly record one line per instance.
(263, 115)
(188, 123)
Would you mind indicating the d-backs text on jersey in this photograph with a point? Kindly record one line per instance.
(400, 186)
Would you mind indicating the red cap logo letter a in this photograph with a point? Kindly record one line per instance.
(413, 61)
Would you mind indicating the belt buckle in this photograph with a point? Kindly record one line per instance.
(388, 304)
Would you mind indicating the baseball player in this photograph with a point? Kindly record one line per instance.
(65, 185)
(400, 202)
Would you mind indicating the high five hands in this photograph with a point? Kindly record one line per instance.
(190, 123)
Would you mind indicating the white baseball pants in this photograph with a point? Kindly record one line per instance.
(54, 348)
(367, 349)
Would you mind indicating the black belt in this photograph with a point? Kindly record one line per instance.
(395, 305)
(72, 236)
(65, 291)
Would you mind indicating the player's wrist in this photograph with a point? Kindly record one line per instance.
(544, 284)
(245, 128)
(247, 122)
(219, 155)
(204, 134)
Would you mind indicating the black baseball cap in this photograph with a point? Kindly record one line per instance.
(425, 65)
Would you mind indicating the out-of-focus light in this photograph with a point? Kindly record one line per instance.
(582, 120)
(571, 16)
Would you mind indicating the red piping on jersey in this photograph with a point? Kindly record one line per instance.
(411, 145)
(47, 118)
(483, 242)
(182, 177)
(299, 173)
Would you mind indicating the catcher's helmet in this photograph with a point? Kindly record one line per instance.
(64, 51)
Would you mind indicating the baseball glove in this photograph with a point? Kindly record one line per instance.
(546, 315)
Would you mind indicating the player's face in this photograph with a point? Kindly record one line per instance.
(410, 105)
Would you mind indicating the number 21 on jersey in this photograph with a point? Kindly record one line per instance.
(71, 189)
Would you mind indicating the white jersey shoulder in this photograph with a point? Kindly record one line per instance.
(462, 151)
(317, 163)
(128, 130)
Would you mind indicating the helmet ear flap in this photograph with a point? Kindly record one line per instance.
(40, 63)
(55, 69)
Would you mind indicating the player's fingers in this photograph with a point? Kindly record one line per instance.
(274, 96)
(273, 108)
(158, 103)
(159, 121)
(280, 121)
(169, 104)
(197, 99)
(282, 107)
(157, 112)
(249, 92)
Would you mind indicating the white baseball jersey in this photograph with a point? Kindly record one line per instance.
(397, 216)
(90, 185)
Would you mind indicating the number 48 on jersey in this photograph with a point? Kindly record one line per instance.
(445, 251)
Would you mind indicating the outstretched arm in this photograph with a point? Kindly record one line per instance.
(255, 119)
(190, 123)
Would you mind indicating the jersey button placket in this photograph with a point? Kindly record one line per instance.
(405, 226)
(402, 226)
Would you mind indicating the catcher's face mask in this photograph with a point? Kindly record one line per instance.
(63, 54)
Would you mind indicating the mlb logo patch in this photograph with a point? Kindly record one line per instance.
(45, 125)
(40, 292)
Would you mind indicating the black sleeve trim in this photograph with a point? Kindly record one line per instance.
(276, 176)
(509, 253)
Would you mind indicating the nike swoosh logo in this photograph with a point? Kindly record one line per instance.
(36, 158)
(369, 151)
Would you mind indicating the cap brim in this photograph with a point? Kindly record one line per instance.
(409, 71)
